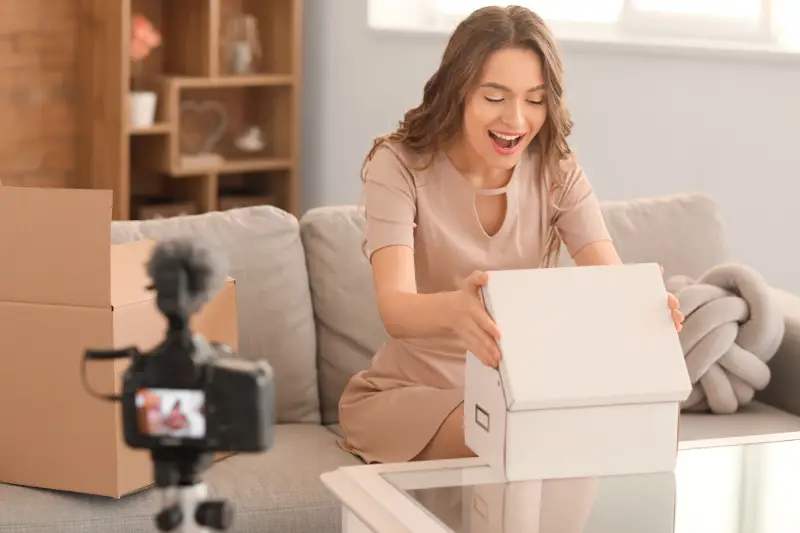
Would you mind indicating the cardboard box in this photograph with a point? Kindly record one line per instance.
(591, 378)
(63, 289)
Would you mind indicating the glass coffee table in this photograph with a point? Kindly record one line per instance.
(749, 488)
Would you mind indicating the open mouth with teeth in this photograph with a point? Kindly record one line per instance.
(505, 141)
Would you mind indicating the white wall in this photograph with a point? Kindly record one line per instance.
(646, 124)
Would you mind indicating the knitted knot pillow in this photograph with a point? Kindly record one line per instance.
(732, 329)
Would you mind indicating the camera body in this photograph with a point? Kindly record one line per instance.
(220, 403)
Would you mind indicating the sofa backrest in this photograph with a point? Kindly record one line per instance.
(684, 233)
(274, 303)
(349, 329)
(314, 350)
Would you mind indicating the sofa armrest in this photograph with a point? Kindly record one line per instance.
(783, 390)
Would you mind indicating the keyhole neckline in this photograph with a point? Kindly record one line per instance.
(509, 189)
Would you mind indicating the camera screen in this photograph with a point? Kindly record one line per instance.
(176, 413)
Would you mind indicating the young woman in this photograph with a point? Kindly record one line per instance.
(478, 177)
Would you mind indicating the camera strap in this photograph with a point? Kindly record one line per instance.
(105, 355)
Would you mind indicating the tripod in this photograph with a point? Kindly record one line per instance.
(185, 508)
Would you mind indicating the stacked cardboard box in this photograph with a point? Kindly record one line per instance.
(65, 289)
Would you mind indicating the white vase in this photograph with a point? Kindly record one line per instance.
(143, 108)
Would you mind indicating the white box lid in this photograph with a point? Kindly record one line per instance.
(586, 336)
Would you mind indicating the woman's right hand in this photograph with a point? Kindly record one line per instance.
(472, 323)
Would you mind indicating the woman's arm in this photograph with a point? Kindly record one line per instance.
(581, 225)
(404, 312)
(391, 209)
(597, 253)
(407, 314)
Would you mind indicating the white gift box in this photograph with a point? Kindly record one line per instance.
(591, 378)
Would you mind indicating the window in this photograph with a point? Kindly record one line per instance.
(785, 22)
(744, 21)
(737, 20)
(710, 8)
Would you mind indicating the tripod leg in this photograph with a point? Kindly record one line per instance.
(171, 516)
(190, 498)
(185, 508)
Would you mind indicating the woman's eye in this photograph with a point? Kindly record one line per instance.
(497, 100)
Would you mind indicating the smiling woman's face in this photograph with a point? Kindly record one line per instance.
(507, 109)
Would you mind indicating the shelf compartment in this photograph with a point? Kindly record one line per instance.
(186, 27)
(215, 125)
(165, 197)
(251, 189)
(201, 190)
(278, 24)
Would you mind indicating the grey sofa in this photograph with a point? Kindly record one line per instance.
(307, 306)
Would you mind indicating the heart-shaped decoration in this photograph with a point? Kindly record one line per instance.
(202, 126)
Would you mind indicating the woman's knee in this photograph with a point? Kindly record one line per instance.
(448, 441)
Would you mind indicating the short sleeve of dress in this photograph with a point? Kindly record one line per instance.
(389, 197)
(580, 220)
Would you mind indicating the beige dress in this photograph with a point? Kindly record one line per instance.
(389, 412)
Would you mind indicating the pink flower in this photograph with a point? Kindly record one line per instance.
(144, 37)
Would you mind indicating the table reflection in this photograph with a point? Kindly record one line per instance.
(586, 505)
(728, 489)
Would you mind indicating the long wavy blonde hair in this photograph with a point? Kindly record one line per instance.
(436, 121)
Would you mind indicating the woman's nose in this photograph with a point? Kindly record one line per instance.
(514, 117)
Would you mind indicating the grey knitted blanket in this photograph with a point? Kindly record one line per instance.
(732, 329)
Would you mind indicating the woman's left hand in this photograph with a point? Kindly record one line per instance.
(674, 307)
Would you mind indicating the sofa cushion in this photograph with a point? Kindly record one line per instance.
(349, 329)
(682, 232)
(276, 320)
(279, 490)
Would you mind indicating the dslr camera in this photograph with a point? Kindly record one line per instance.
(216, 404)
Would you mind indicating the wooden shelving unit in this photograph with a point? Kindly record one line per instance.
(148, 167)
